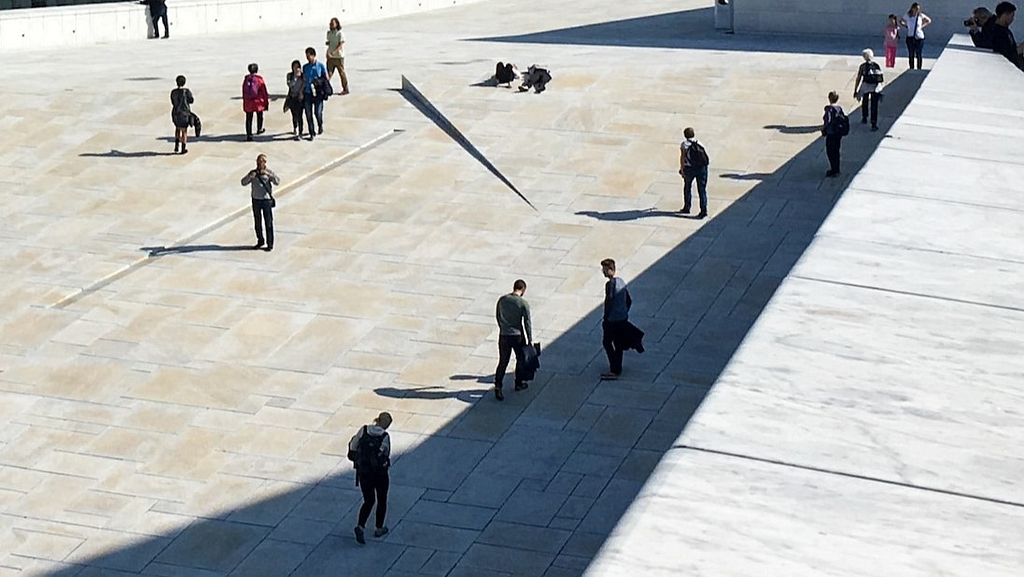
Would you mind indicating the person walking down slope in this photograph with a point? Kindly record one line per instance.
(370, 452)
(514, 332)
(181, 113)
(336, 54)
(865, 88)
(615, 322)
(254, 100)
(314, 77)
(835, 125)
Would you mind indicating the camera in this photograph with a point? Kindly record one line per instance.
(971, 22)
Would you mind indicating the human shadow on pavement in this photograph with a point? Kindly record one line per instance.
(162, 250)
(552, 469)
(240, 137)
(794, 129)
(478, 378)
(624, 215)
(689, 29)
(433, 393)
(748, 175)
(114, 153)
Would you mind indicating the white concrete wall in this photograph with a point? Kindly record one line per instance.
(67, 26)
(850, 17)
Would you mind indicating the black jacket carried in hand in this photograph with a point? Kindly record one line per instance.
(630, 337)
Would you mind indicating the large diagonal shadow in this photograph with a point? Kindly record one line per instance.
(555, 468)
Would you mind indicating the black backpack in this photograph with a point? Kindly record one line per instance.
(872, 73)
(839, 124)
(367, 456)
(696, 156)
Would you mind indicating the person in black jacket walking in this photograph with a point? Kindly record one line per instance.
(830, 129)
(370, 451)
(617, 303)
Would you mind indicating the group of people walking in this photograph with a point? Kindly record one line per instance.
(309, 86)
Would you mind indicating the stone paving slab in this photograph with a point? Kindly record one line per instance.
(191, 417)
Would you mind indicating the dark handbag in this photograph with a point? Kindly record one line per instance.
(267, 187)
(273, 201)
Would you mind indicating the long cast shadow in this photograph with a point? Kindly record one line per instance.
(162, 250)
(571, 451)
(692, 29)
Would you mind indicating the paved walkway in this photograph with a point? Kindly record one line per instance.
(185, 411)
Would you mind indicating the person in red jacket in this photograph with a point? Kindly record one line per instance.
(254, 100)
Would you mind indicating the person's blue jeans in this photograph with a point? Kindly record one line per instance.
(690, 174)
(314, 109)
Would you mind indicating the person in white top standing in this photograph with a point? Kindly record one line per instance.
(336, 54)
(915, 22)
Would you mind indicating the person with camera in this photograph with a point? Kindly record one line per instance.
(979, 27)
(865, 88)
(1002, 38)
(262, 180)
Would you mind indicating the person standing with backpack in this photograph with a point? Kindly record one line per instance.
(865, 88)
(835, 126)
(693, 165)
(370, 451)
(254, 100)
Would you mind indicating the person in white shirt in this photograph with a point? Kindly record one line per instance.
(915, 22)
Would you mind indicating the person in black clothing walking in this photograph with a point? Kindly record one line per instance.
(158, 11)
(181, 113)
(370, 450)
(832, 133)
(617, 303)
(514, 331)
(865, 88)
(1002, 38)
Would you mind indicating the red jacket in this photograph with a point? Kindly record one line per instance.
(261, 101)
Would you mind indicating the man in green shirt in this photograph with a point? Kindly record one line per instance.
(513, 315)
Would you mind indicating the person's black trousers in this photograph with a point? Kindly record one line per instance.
(915, 47)
(375, 490)
(162, 16)
(248, 123)
(507, 344)
(297, 118)
(832, 146)
(869, 101)
(262, 213)
(612, 330)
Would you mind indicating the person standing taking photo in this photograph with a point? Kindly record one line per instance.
(262, 181)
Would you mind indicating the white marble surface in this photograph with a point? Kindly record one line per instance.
(871, 422)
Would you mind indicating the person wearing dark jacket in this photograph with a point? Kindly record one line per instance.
(830, 130)
(1002, 38)
(370, 451)
(515, 330)
(617, 303)
(158, 12)
(980, 27)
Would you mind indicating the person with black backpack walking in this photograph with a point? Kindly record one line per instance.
(370, 452)
(693, 165)
(865, 88)
(835, 126)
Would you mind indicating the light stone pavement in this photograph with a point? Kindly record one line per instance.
(190, 417)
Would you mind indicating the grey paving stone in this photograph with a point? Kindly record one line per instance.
(584, 544)
(620, 426)
(564, 523)
(412, 559)
(576, 507)
(436, 495)
(590, 464)
(343, 556)
(585, 417)
(463, 570)
(450, 514)
(272, 558)
(436, 537)
(323, 503)
(530, 507)
(440, 563)
(591, 486)
(512, 561)
(617, 496)
(563, 572)
(528, 537)
(213, 545)
(571, 562)
(299, 530)
(485, 489)
(564, 482)
(439, 463)
(639, 465)
(525, 453)
(611, 393)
